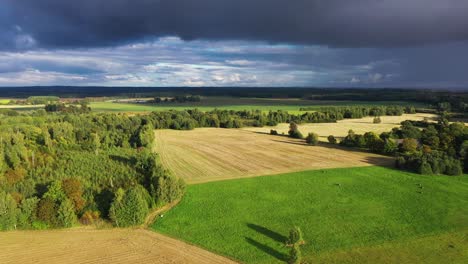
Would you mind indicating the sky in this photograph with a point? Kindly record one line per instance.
(310, 43)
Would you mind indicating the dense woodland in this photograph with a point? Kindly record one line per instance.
(60, 168)
(437, 148)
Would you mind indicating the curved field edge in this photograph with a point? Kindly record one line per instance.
(354, 215)
(213, 154)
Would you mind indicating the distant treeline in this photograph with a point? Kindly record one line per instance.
(364, 111)
(176, 99)
(36, 100)
(348, 94)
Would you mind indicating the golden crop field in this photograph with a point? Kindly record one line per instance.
(341, 128)
(209, 154)
(99, 246)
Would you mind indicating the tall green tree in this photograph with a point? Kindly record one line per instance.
(8, 212)
(129, 209)
(66, 214)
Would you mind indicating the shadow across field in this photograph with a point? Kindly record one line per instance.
(267, 249)
(267, 232)
(270, 234)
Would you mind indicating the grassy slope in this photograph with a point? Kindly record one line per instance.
(373, 212)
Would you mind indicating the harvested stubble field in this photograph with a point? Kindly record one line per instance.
(210, 154)
(340, 129)
(99, 246)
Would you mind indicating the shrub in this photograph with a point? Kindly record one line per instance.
(46, 209)
(295, 236)
(390, 146)
(27, 215)
(129, 208)
(409, 145)
(295, 255)
(453, 168)
(8, 212)
(425, 168)
(377, 120)
(294, 131)
(166, 189)
(273, 132)
(89, 217)
(66, 214)
(332, 139)
(312, 139)
(74, 191)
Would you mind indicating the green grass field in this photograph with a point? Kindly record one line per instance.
(4, 101)
(229, 103)
(353, 215)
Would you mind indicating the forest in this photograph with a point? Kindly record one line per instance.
(58, 168)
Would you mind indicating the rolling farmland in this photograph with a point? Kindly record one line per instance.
(341, 128)
(352, 215)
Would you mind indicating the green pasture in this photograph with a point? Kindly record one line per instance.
(352, 215)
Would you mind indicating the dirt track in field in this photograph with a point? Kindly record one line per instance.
(98, 246)
(210, 154)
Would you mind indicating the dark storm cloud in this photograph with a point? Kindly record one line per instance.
(343, 23)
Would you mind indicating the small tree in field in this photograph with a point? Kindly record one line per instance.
(312, 139)
(377, 120)
(295, 237)
(331, 139)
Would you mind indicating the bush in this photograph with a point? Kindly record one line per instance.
(453, 168)
(294, 131)
(390, 146)
(425, 168)
(89, 217)
(66, 214)
(295, 255)
(295, 236)
(377, 120)
(332, 139)
(27, 215)
(8, 212)
(273, 132)
(46, 209)
(129, 208)
(166, 189)
(409, 145)
(312, 139)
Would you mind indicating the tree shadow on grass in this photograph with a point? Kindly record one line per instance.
(267, 232)
(267, 249)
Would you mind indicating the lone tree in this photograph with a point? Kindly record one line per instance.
(331, 139)
(295, 240)
(377, 120)
(312, 139)
(294, 131)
